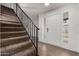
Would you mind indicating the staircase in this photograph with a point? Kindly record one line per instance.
(14, 39)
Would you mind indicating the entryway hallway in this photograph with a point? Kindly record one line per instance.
(38, 30)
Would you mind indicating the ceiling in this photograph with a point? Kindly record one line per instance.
(39, 8)
(34, 9)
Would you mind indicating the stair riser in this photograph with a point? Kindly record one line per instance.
(9, 35)
(10, 42)
(16, 50)
(29, 52)
(11, 29)
(33, 53)
(8, 16)
(7, 13)
(10, 25)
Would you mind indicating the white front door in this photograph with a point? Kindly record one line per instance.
(53, 29)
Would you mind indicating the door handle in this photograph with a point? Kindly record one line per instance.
(47, 29)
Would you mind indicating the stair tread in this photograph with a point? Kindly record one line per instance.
(13, 32)
(12, 27)
(10, 22)
(14, 38)
(5, 13)
(9, 18)
(11, 41)
(25, 52)
(4, 49)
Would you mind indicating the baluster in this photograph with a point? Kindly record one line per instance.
(21, 16)
(16, 8)
(34, 34)
(36, 41)
(32, 31)
(29, 29)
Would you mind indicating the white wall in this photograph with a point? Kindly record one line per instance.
(73, 40)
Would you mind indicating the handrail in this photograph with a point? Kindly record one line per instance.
(31, 28)
(27, 16)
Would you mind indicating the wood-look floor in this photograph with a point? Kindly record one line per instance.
(50, 50)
